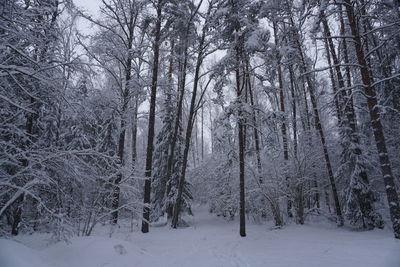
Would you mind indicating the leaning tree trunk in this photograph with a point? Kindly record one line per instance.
(376, 124)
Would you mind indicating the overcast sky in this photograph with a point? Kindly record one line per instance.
(92, 7)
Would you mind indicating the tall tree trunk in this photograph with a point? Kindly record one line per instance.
(242, 147)
(361, 189)
(202, 132)
(121, 140)
(377, 128)
(169, 150)
(242, 172)
(40, 56)
(176, 133)
(294, 110)
(345, 50)
(255, 126)
(333, 83)
(121, 147)
(318, 126)
(274, 204)
(134, 132)
(189, 129)
(152, 113)
(17, 212)
(283, 127)
(211, 128)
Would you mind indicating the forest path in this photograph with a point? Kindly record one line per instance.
(210, 241)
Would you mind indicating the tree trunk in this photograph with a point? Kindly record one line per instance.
(121, 140)
(283, 127)
(176, 133)
(17, 215)
(202, 132)
(377, 128)
(152, 113)
(364, 194)
(333, 83)
(321, 134)
(242, 146)
(189, 129)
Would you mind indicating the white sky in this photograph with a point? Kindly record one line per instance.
(92, 7)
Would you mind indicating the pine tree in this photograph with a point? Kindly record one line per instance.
(374, 112)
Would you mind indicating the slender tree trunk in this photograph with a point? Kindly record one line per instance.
(121, 140)
(169, 150)
(377, 128)
(189, 129)
(152, 113)
(274, 204)
(345, 50)
(364, 195)
(202, 132)
(121, 147)
(333, 83)
(283, 127)
(211, 128)
(125, 104)
(177, 125)
(255, 127)
(318, 126)
(241, 177)
(306, 125)
(31, 118)
(321, 133)
(242, 146)
(17, 212)
(294, 110)
(17, 215)
(134, 133)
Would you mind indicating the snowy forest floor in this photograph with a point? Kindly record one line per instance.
(210, 241)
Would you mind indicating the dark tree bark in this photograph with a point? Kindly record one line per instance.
(241, 175)
(242, 147)
(152, 114)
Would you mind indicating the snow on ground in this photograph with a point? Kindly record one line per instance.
(210, 241)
